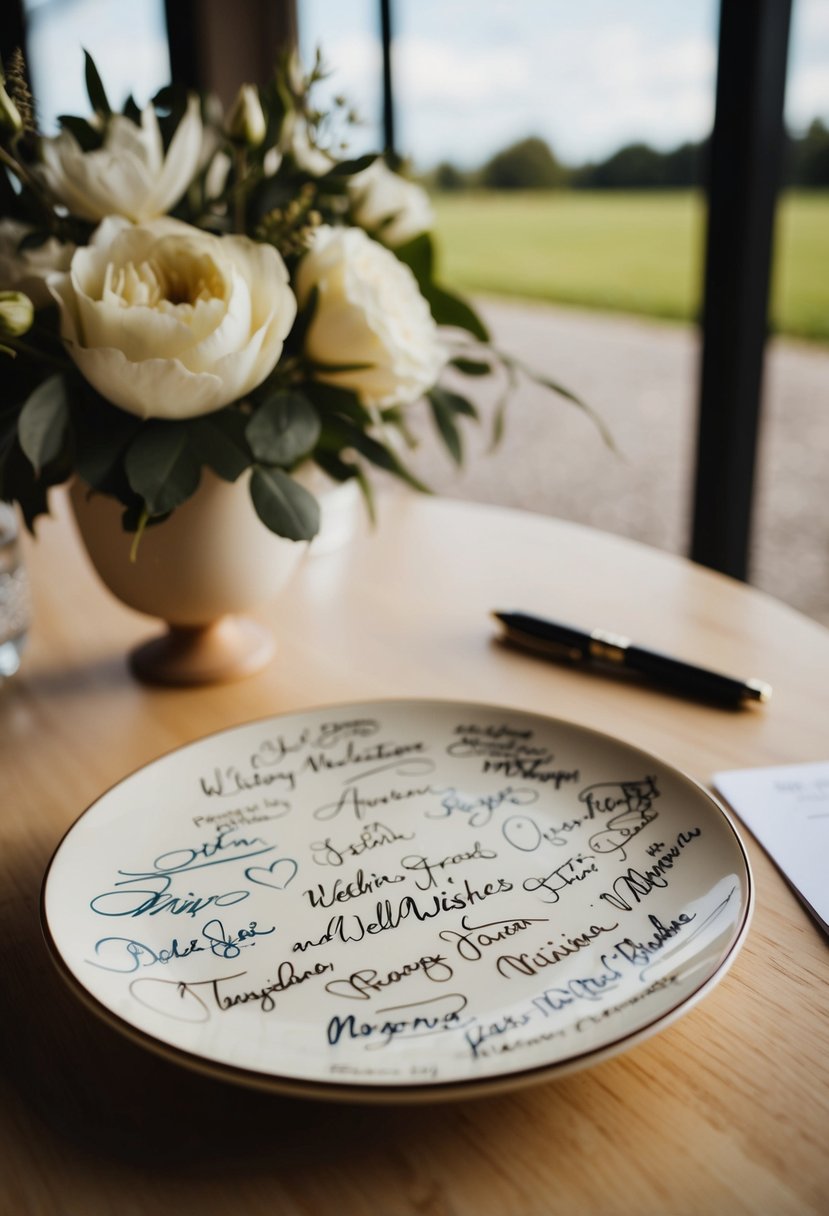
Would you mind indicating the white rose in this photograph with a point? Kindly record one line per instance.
(28, 271)
(167, 321)
(386, 205)
(369, 310)
(129, 175)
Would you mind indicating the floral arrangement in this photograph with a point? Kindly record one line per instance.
(183, 288)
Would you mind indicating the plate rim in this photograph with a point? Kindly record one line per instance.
(425, 1091)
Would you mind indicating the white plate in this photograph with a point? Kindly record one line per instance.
(398, 900)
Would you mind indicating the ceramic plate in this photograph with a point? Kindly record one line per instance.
(398, 900)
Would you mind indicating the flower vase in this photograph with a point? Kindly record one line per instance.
(201, 571)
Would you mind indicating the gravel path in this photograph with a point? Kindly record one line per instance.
(641, 377)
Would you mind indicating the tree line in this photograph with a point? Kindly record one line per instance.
(531, 164)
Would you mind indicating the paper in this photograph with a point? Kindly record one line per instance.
(787, 809)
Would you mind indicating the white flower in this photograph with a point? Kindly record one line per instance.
(129, 175)
(16, 314)
(386, 205)
(369, 310)
(27, 271)
(307, 155)
(167, 321)
(246, 120)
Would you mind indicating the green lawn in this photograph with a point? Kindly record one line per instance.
(637, 251)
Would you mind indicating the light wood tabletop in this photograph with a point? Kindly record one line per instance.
(724, 1111)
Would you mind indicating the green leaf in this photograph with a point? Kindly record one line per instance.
(449, 309)
(43, 425)
(454, 402)
(284, 505)
(94, 87)
(87, 136)
(499, 413)
(161, 466)
(284, 428)
(471, 367)
(447, 427)
(103, 433)
(132, 110)
(348, 168)
(419, 255)
(344, 433)
(561, 391)
(334, 399)
(303, 320)
(220, 443)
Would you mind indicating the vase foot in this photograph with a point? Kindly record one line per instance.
(228, 649)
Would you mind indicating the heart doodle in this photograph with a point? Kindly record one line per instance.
(269, 874)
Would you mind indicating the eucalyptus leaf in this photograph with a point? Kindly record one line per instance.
(220, 443)
(284, 505)
(94, 87)
(284, 428)
(103, 434)
(162, 467)
(334, 399)
(43, 425)
(344, 432)
(471, 367)
(454, 402)
(449, 309)
(447, 427)
(419, 255)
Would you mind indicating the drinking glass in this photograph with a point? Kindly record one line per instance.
(15, 602)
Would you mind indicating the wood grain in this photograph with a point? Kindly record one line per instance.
(725, 1111)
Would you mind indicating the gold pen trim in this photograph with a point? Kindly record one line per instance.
(610, 647)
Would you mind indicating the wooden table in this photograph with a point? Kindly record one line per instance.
(725, 1111)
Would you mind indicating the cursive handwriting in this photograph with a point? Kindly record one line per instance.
(342, 891)
(435, 1016)
(605, 796)
(373, 836)
(474, 938)
(636, 885)
(133, 955)
(572, 871)
(132, 901)
(192, 1001)
(360, 985)
(522, 832)
(526, 964)
(390, 916)
(480, 808)
(357, 804)
(223, 848)
(426, 869)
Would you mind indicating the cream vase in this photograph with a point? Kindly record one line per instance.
(202, 569)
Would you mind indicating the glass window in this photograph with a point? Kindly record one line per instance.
(126, 38)
(348, 35)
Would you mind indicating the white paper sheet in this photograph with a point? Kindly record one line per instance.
(787, 809)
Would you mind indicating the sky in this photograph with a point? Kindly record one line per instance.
(471, 76)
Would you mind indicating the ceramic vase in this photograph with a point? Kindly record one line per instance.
(203, 569)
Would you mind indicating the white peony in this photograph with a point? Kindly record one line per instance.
(388, 206)
(28, 271)
(167, 321)
(129, 175)
(369, 311)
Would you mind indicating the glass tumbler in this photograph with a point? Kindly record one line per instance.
(15, 601)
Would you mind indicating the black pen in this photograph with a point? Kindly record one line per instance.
(557, 641)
